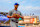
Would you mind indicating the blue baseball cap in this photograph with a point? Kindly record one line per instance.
(16, 4)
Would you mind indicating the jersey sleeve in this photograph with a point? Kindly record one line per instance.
(20, 13)
(10, 13)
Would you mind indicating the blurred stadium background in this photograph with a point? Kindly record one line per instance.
(4, 21)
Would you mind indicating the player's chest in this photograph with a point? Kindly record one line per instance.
(16, 12)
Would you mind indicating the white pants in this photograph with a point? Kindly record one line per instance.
(13, 24)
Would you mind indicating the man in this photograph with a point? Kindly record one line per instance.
(14, 15)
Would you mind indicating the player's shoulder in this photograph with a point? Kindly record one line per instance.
(18, 11)
(12, 10)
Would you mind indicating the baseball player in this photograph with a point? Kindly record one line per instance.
(14, 15)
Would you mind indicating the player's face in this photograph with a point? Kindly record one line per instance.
(16, 6)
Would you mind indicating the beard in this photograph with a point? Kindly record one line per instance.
(16, 7)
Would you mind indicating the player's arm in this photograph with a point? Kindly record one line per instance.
(21, 16)
(10, 14)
